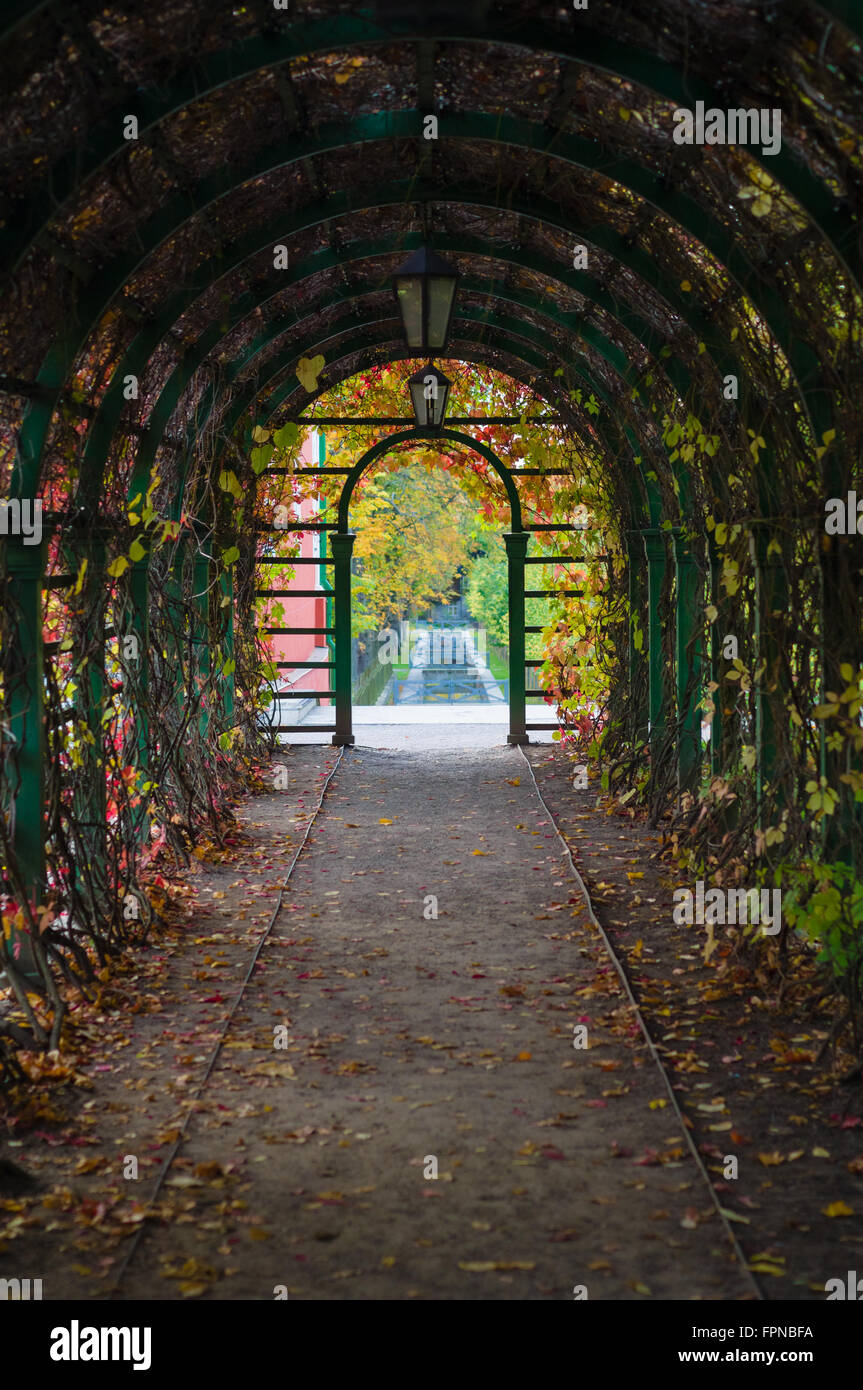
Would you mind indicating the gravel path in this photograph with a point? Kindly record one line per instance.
(411, 1038)
(411, 1012)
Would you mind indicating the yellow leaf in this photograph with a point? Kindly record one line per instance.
(838, 1209)
(256, 1233)
(309, 369)
(485, 1266)
(275, 1069)
(383, 821)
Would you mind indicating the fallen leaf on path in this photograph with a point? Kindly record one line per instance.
(486, 1266)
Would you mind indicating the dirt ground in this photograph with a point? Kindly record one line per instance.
(248, 1121)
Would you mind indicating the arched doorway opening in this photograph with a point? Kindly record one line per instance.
(516, 541)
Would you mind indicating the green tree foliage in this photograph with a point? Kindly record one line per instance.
(487, 593)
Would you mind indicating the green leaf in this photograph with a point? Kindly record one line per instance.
(230, 556)
(260, 458)
(287, 436)
(229, 482)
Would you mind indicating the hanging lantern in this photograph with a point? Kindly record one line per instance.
(429, 390)
(425, 289)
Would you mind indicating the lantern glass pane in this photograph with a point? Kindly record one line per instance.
(421, 407)
(409, 291)
(441, 292)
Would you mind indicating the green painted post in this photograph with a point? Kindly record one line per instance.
(201, 575)
(689, 664)
(139, 629)
(717, 750)
(655, 554)
(342, 546)
(23, 677)
(228, 682)
(770, 599)
(516, 551)
(91, 802)
(635, 577)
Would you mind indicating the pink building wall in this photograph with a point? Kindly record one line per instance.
(305, 612)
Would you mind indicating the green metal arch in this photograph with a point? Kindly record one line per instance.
(507, 329)
(63, 353)
(344, 33)
(518, 350)
(400, 437)
(676, 368)
(614, 356)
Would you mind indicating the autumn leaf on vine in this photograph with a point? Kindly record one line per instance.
(308, 371)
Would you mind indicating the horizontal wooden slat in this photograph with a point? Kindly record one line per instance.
(304, 665)
(304, 728)
(293, 593)
(302, 526)
(304, 694)
(292, 560)
(554, 593)
(542, 726)
(301, 631)
(562, 559)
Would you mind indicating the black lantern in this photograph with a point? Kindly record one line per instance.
(429, 390)
(425, 289)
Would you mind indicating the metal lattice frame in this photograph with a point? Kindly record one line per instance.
(683, 286)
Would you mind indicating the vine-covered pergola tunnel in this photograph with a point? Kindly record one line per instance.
(203, 207)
